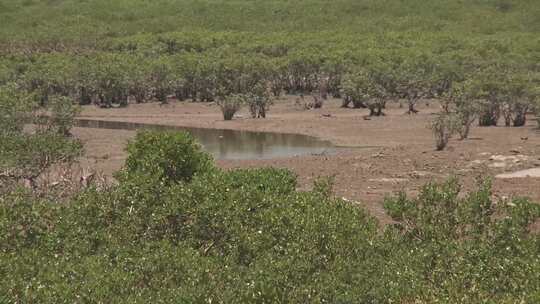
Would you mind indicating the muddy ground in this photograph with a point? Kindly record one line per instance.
(403, 159)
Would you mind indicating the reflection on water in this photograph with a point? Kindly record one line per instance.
(231, 144)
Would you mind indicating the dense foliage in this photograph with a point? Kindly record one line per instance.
(174, 228)
(168, 157)
(215, 236)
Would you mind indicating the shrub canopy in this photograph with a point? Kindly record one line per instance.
(200, 234)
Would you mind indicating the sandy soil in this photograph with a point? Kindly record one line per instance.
(403, 160)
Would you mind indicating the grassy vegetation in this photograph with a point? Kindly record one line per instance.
(75, 20)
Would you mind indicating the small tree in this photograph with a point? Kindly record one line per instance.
(318, 101)
(538, 117)
(489, 113)
(493, 91)
(26, 154)
(259, 101)
(62, 114)
(414, 81)
(535, 100)
(138, 78)
(161, 78)
(367, 87)
(461, 96)
(466, 114)
(231, 104)
(515, 103)
(350, 95)
(443, 127)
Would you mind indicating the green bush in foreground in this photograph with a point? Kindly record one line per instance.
(167, 156)
(246, 236)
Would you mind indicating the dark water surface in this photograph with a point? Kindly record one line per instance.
(231, 144)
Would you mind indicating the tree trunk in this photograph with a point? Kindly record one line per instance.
(464, 132)
(489, 116)
(86, 99)
(412, 110)
(358, 104)
(379, 110)
(520, 119)
(345, 102)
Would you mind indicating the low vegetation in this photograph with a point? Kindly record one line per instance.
(175, 228)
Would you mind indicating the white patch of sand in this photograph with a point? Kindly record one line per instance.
(389, 180)
(534, 172)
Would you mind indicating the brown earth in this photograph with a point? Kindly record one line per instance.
(404, 160)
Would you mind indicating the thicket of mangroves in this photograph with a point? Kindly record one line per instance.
(109, 51)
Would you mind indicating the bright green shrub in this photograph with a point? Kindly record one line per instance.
(169, 157)
(469, 249)
(271, 180)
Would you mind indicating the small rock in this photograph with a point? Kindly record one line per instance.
(418, 174)
(380, 154)
(476, 162)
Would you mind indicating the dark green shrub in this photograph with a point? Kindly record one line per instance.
(62, 114)
(169, 157)
(26, 154)
(16, 108)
